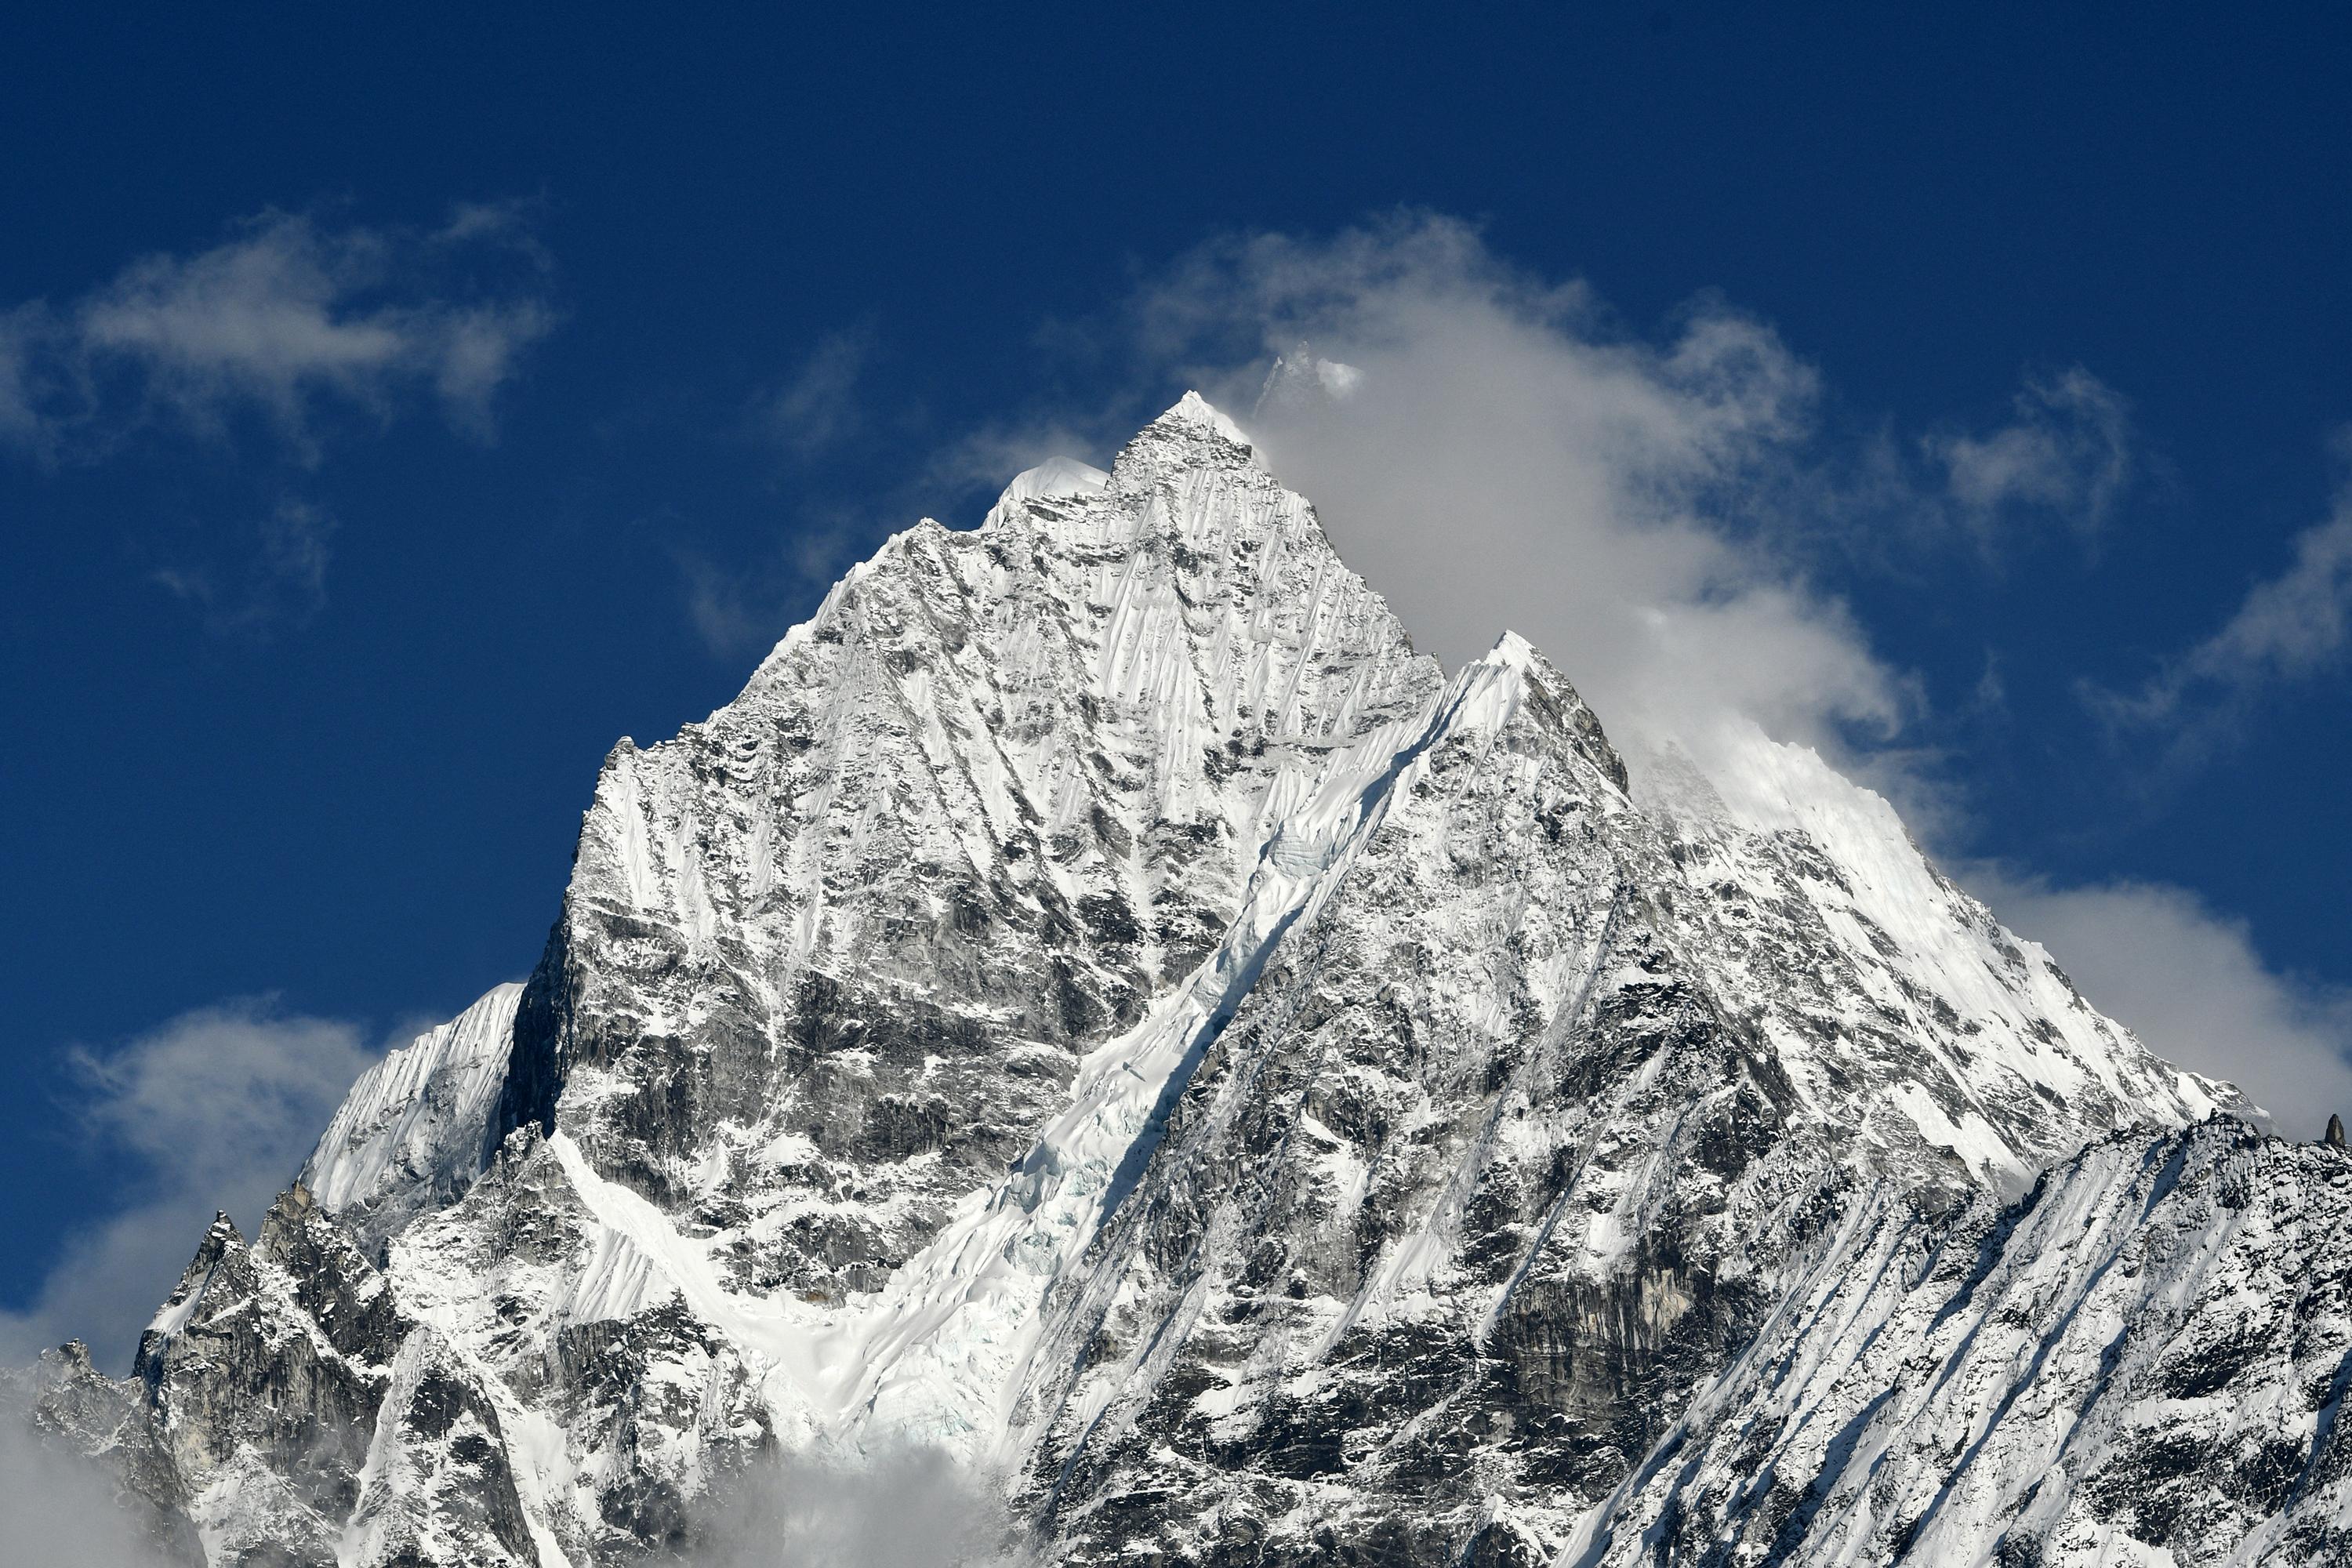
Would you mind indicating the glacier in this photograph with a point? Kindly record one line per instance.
(1101, 1006)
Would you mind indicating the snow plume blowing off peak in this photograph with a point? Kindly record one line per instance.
(1493, 449)
(1488, 454)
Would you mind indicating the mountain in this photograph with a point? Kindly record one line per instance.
(1100, 1006)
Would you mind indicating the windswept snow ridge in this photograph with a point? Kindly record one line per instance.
(409, 1135)
(1099, 1003)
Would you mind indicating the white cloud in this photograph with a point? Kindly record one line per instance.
(60, 1509)
(286, 318)
(2293, 622)
(2069, 450)
(1645, 512)
(214, 1110)
(911, 1508)
(731, 617)
(506, 224)
(816, 407)
(2288, 626)
(2192, 985)
(21, 331)
(285, 325)
(1503, 458)
(475, 354)
(1300, 377)
(986, 458)
(1489, 449)
(740, 613)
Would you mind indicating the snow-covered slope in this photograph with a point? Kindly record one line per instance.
(1516, 1137)
(409, 1136)
(1097, 1001)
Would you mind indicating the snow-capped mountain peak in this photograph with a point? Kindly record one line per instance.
(1100, 1003)
(1195, 409)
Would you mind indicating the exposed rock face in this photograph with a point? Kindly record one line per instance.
(2145, 1361)
(829, 959)
(260, 1380)
(440, 1487)
(99, 1431)
(1516, 1139)
(1100, 1003)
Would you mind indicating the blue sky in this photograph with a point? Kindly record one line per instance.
(395, 410)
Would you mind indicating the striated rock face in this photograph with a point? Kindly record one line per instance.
(87, 1441)
(440, 1484)
(2144, 1362)
(1100, 1005)
(830, 958)
(1515, 1140)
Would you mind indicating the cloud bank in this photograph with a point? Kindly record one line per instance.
(1491, 450)
(215, 1109)
(2191, 985)
(61, 1511)
(902, 1508)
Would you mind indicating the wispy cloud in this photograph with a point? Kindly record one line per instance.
(740, 613)
(288, 335)
(816, 406)
(21, 332)
(2069, 451)
(60, 1509)
(282, 581)
(214, 1110)
(986, 458)
(288, 318)
(2288, 626)
(739, 609)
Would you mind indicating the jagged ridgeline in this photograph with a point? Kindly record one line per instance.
(1100, 1005)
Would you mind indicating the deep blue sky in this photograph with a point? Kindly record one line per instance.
(365, 803)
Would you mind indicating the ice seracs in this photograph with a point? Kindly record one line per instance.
(1100, 1001)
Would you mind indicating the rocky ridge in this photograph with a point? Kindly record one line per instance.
(1100, 1003)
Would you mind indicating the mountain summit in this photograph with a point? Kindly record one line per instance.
(1100, 1005)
